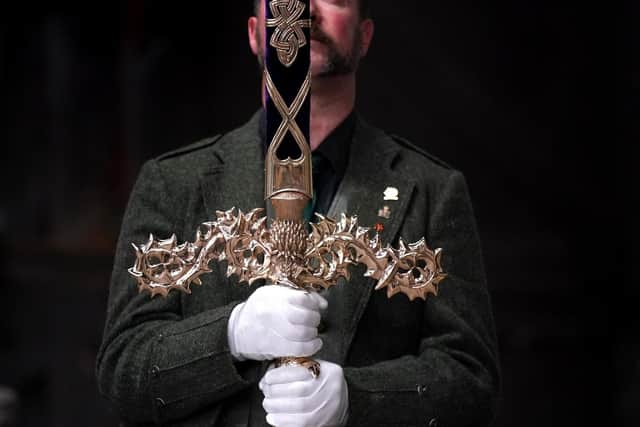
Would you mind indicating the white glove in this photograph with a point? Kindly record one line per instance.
(276, 321)
(294, 398)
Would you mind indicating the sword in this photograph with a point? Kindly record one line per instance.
(282, 251)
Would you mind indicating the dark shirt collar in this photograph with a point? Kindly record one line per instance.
(335, 146)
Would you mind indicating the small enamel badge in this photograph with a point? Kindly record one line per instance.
(385, 212)
(391, 193)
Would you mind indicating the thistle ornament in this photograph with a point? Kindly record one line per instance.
(286, 254)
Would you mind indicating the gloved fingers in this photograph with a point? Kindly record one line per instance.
(303, 299)
(286, 348)
(288, 405)
(302, 316)
(267, 292)
(286, 420)
(297, 333)
(293, 389)
(286, 374)
(320, 300)
(305, 348)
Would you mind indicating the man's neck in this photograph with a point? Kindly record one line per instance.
(332, 99)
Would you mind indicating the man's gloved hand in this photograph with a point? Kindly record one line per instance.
(276, 321)
(294, 398)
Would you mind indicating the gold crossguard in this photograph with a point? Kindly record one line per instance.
(316, 261)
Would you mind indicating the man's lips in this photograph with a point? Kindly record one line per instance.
(319, 45)
(319, 37)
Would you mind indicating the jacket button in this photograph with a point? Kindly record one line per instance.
(155, 370)
(433, 422)
(159, 402)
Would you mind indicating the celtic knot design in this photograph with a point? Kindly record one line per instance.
(288, 113)
(288, 37)
(297, 169)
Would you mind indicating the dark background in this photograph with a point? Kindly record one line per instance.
(504, 91)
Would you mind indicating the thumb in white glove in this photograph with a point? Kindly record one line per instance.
(276, 321)
(294, 398)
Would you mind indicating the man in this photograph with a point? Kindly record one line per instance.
(203, 359)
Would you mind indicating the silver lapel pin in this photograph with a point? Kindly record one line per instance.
(385, 212)
(391, 193)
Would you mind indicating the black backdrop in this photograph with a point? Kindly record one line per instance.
(504, 91)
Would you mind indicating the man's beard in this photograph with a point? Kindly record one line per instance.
(336, 64)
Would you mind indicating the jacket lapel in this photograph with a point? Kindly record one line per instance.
(369, 173)
(235, 178)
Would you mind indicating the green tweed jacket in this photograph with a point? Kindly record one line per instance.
(166, 361)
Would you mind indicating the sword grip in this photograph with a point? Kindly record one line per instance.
(305, 362)
(289, 206)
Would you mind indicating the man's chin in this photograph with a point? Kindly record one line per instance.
(319, 70)
(319, 50)
(319, 62)
(323, 65)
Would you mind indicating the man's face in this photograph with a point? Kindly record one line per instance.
(339, 38)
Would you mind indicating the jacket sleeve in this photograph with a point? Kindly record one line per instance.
(153, 364)
(454, 378)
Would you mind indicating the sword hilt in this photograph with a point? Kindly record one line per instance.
(284, 252)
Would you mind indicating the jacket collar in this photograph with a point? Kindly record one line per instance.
(361, 193)
(235, 178)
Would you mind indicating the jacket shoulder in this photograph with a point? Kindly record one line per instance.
(193, 147)
(406, 144)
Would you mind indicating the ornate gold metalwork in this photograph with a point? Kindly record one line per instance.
(242, 240)
(305, 362)
(254, 252)
(288, 175)
(413, 269)
(289, 241)
(288, 36)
